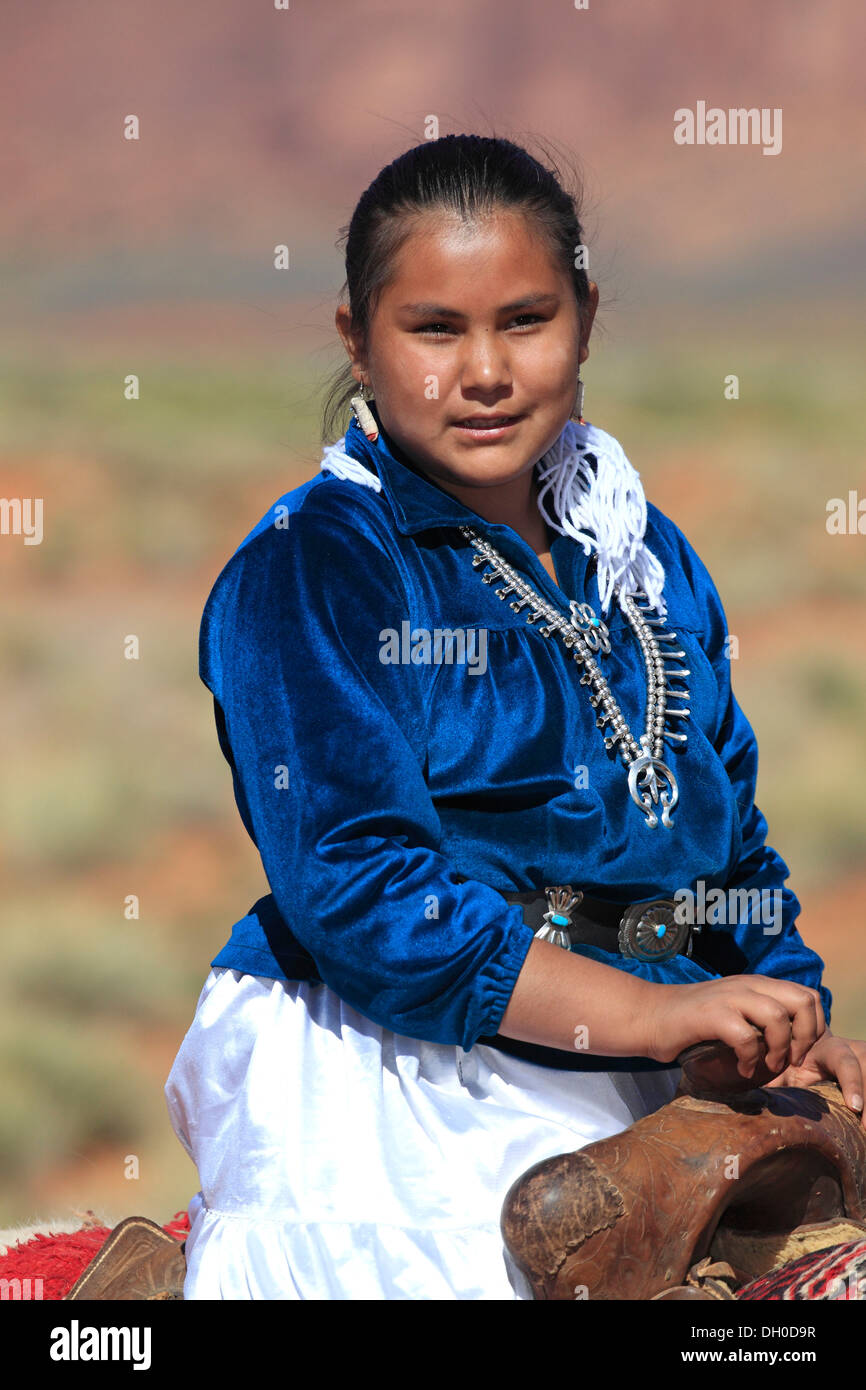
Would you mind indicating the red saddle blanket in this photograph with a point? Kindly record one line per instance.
(46, 1266)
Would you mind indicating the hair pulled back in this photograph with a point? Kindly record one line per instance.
(467, 175)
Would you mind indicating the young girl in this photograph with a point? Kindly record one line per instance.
(476, 701)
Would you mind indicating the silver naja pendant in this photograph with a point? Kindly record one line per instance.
(646, 783)
(591, 628)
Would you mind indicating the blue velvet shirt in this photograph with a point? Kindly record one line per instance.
(370, 774)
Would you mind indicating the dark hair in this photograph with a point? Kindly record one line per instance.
(471, 175)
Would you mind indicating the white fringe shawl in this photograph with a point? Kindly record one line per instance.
(603, 507)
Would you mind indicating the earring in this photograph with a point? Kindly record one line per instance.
(577, 412)
(364, 415)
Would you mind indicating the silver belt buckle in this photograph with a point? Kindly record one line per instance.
(651, 933)
(561, 900)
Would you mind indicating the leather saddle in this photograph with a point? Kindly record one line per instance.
(138, 1262)
(724, 1184)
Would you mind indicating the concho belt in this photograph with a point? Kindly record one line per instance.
(564, 915)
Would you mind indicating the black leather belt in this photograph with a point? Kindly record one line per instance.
(645, 931)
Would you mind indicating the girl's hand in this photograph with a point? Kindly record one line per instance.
(763, 1019)
(838, 1059)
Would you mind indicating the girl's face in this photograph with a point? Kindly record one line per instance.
(476, 323)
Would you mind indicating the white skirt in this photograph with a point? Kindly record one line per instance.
(339, 1160)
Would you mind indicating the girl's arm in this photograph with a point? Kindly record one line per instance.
(565, 1000)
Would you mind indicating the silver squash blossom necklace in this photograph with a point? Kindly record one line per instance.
(651, 782)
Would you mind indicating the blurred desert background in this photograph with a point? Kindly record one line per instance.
(155, 257)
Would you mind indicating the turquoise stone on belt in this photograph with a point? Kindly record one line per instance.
(560, 900)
